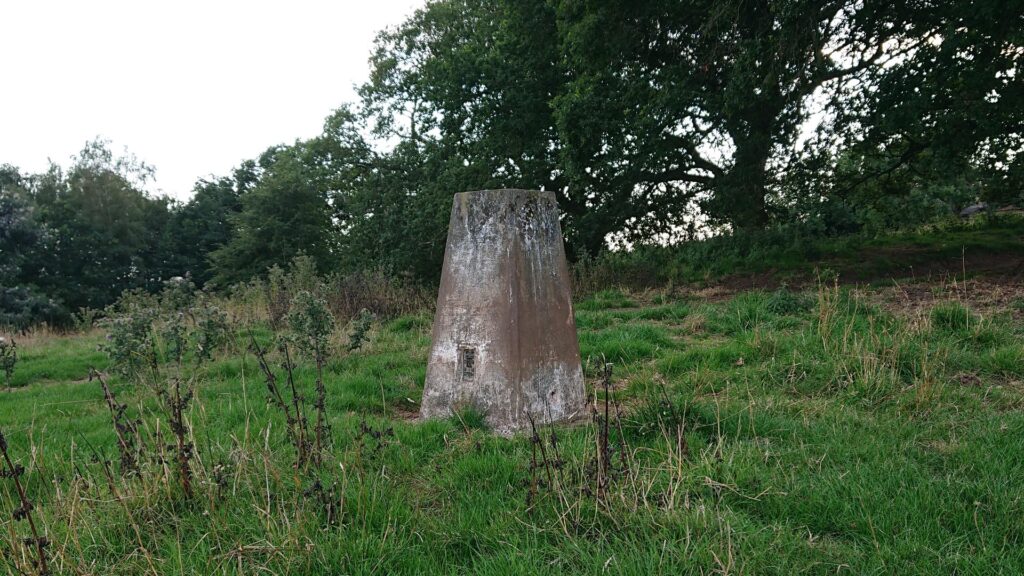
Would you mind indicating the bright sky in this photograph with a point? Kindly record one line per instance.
(190, 87)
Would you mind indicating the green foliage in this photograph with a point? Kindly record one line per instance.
(657, 415)
(105, 230)
(465, 85)
(469, 418)
(796, 251)
(178, 324)
(277, 294)
(21, 234)
(211, 329)
(1007, 361)
(679, 110)
(717, 358)
(947, 116)
(666, 312)
(311, 322)
(653, 124)
(204, 224)
(131, 343)
(282, 286)
(83, 236)
(8, 358)
(173, 337)
(751, 310)
(410, 323)
(683, 78)
(85, 319)
(360, 329)
(20, 230)
(624, 343)
(23, 306)
(284, 215)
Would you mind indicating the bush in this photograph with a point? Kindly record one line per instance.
(145, 329)
(131, 343)
(8, 358)
(360, 328)
(346, 295)
(381, 295)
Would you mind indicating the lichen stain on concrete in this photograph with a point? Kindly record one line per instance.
(505, 295)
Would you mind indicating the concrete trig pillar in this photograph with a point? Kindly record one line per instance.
(504, 338)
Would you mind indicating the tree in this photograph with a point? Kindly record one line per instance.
(21, 233)
(948, 113)
(104, 231)
(465, 87)
(703, 99)
(295, 203)
(202, 225)
(396, 220)
(636, 113)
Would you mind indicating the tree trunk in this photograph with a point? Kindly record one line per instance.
(742, 191)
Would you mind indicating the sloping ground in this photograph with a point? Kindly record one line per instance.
(993, 252)
(870, 429)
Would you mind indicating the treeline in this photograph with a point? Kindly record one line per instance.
(655, 122)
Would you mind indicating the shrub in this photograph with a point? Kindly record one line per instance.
(360, 328)
(384, 296)
(142, 329)
(277, 296)
(8, 358)
(312, 325)
(85, 319)
(210, 329)
(130, 343)
(311, 322)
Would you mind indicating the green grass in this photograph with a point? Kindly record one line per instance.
(825, 435)
(58, 360)
(606, 299)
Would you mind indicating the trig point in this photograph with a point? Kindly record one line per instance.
(504, 339)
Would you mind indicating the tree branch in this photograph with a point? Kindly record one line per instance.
(698, 160)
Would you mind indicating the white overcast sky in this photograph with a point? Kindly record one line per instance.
(192, 88)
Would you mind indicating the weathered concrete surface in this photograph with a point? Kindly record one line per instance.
(504, 338)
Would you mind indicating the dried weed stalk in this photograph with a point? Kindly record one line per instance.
(129, 445)
(38, 542)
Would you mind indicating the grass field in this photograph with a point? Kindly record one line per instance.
(826, 431)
